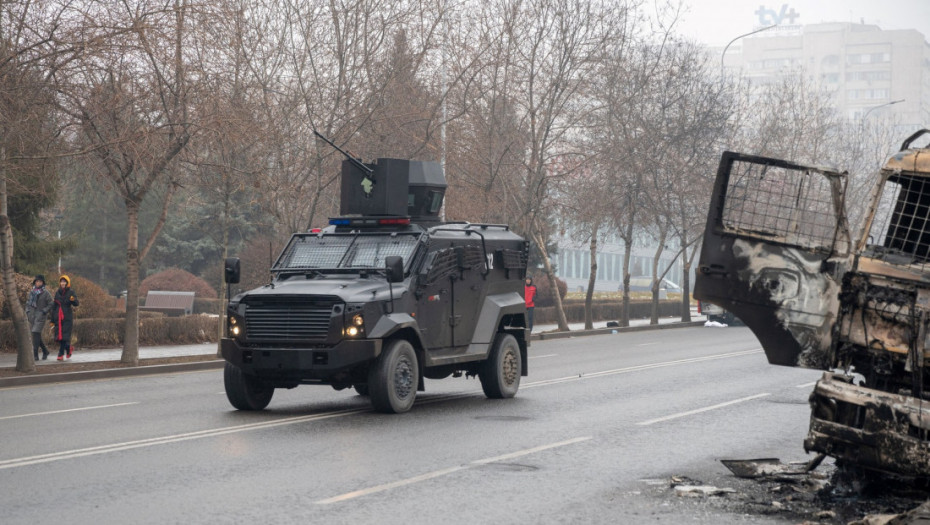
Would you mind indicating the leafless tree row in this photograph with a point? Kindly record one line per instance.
(583, 112)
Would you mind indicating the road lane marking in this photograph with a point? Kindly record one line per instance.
(176, 438)
(647, 344)
(639, 368)
(699, 410)
(130, 445)
(806, 385)
(446, 471)
(542, 356)
(68, 410)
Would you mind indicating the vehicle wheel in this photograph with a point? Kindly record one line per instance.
(500, 374)
(361, 388)
(246, 392)
(393, 378)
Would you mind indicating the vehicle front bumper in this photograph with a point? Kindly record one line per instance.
(300, 363)
(869, 428)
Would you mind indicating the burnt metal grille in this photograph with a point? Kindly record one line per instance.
(289, 319)
(781, 204)
(903, 217)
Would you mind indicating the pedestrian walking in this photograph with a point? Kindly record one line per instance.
(37, 307)
(63, 316)
(529, 294)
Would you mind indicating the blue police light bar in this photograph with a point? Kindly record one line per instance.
(392, 221)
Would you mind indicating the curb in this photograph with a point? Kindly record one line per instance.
(110, 373)
(116, 373)
(615, 330)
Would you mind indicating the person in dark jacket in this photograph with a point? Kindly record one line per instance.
(529, 294)
(37, 307)
(63, 316)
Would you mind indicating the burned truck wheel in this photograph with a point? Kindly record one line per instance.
(393, 378)
(500, 374)
(244, 391)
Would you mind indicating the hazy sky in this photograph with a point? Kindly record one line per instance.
(716, 22)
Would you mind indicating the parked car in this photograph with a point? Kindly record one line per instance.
(717, 314)
(644, 284)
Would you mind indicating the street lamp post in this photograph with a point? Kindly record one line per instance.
(766, 28)
(893, 102)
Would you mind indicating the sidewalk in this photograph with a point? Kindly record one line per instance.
(81, 355)
(113, 354)
(540, 328)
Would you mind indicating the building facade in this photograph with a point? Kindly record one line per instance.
(870, 71)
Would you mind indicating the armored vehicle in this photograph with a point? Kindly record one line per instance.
(778, 253)
(383, 297)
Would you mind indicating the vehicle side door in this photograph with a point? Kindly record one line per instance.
(776, 245)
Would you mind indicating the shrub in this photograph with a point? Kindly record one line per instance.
(23, 285)
(95, 301)
(177, 280)
(208, 306)
(155, 330)
(544, 295)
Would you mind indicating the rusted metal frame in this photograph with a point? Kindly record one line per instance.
(883, 441)
(838, 182)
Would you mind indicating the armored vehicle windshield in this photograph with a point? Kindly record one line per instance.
(344, 252)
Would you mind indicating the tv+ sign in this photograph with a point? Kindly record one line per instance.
(769, 17)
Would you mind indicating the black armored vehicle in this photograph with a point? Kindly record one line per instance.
(383, 297)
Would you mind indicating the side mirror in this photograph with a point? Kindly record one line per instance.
(231, 270)
(395, 268)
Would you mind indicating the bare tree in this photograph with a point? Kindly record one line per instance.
(31, 45)
(130, 100)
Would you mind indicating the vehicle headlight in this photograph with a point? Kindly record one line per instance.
(235, 330)
(358, 320)
(351, 331)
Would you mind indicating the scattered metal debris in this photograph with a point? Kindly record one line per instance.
(770, 467)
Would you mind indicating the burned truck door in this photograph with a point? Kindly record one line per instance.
(776, 244)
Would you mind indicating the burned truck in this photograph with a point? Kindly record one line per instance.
(384, 297)
(778, 253)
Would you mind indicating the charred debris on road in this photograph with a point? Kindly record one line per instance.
(779, 254)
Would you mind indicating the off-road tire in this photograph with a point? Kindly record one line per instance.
(500, 374)
(246, 392)
(394, 377)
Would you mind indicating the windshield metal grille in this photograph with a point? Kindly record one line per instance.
(344, 251)
(289, 319)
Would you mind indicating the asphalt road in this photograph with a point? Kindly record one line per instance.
(595, 422)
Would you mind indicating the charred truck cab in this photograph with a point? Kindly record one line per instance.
(384, 297)
(777, 252)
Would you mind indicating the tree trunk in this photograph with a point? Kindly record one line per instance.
(656, 278)
(131, 329)
(553, 285)
(224, 299)
(24, 360)
(589, 297)
(625, 286)
(685, 283)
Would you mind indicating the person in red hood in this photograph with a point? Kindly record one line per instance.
(529, 293)
(63, 316)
